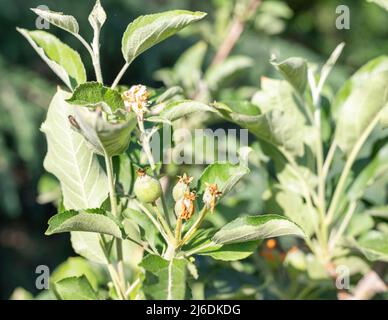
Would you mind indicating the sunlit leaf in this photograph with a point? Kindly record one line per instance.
(147, 31)
(250, 228)
(225, 175)
(89, 220)
(65, 22)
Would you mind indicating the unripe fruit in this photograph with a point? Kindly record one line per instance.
(179, 190)
(147, 189)
(181, 187)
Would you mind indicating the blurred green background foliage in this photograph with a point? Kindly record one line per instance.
(287, 28)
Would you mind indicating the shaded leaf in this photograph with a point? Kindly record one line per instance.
(104, 137)
(294, 70)
(296, 209)
(165, 280)
(75, 288)
(374, 245)
(360, 102)
(217, 74)
(375, 168)
(76, 267)
(188, 68)
(176, 110)
(274, 116)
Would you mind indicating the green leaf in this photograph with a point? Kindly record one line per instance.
(384, 117)
(65, 22)
(97, 17)
(356, 265)
(147, 31)
(179, 109)
(359, 224)
(274, 116)
(165, 280)
(294, 70)
(250, 228)
(92, 94)
(230, 252)
(63, 60)
(381, 3)
(374, 245)
(188, 68)
(201, 244)
(217, 74)
(83, 181)
(76, 267)
(225, 175)
(378, 212)
(296, 209)
(289, 181)
(165, 95)
(104, 137)
(363, 101)
(315, 268)
(87, 244)
(147, 229)
(89, 220)
(375, 168)
(75, 288)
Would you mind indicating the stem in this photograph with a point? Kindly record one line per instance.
(132, 287)
(170, 252)
(321, 181)
(164, 223)
(178, 230)
(112, 272)
(190, 233)
(140, 245)
(310, 195)
(348, 166)
(85, 44)
(120, 75)
(195, 250)
(235, 31)
(116, 281)
(147, 149)
(113, 204)
(96, 55)
(344, 224)
(329, 160)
